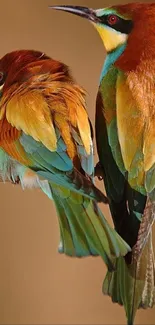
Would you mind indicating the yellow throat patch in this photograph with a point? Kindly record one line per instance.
(111, 38)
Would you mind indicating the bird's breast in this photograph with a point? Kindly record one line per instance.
(135, 98)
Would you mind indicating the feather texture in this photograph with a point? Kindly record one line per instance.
(124, 130)
(51, 146)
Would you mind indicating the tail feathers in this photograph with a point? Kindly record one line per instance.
(84, 230)
(133, 286)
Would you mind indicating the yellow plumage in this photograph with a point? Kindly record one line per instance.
(111, 38)
(131, 122)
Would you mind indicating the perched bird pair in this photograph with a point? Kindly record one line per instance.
(46, 142)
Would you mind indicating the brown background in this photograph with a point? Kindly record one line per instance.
(37, 285)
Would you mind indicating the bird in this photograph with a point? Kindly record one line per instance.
(46, 142)
(125, 136)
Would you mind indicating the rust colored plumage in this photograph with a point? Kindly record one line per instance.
(8, 133)
(9, 141)
(140, 46)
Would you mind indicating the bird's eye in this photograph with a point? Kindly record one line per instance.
(1, 76)
(112, 20)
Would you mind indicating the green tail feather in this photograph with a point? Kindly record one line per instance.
(84, 230)
(133, 286)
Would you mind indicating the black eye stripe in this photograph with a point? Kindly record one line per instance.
(122, 25)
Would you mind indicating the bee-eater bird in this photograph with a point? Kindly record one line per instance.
(45, 140)
(125, 134)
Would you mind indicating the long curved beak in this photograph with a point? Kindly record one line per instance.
(84, 12)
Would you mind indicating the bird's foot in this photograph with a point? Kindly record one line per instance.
(15, 181)
(99, 171)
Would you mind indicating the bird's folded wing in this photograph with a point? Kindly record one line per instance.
(50, 132)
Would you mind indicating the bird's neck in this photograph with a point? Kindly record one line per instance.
(140, 48)
(111, 59)
(122, 59)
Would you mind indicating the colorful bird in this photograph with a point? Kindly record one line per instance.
(45, 141)
(125, 134)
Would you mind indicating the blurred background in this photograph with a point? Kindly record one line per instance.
(37, 285)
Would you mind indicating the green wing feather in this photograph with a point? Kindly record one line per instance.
(84, 230)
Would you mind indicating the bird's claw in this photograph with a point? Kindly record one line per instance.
(99, 171)
(15, 181)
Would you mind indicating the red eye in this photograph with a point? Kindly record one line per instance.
(112, 20)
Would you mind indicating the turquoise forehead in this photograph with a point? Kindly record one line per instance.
(108, 11)
(105, 11)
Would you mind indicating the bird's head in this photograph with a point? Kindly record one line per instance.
(12, 63)
(22, 66)
(125, 26)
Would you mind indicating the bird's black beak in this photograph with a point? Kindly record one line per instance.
(84, 12)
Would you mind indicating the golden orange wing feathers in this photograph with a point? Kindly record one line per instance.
(44, 100)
